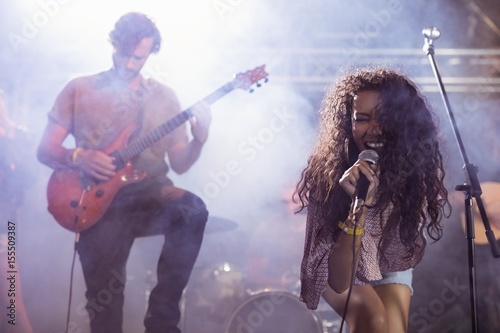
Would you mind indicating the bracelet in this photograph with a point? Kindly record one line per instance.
(350, 231)
(74, 156)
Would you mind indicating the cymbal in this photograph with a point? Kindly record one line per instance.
(218, 224)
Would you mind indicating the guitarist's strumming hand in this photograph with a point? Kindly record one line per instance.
(200, 122)
(96, 164)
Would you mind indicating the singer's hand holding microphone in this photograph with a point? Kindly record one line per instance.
(361, 180)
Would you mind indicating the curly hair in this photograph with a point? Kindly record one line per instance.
(411, 183)
(130, 29)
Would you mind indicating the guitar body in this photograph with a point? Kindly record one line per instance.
(77, 202)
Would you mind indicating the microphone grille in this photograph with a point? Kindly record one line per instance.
(369, 155)
(431, 32)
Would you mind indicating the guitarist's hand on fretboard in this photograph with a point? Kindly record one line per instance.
(200, 122)
(95, 163)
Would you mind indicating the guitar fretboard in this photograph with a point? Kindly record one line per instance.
(142, 143)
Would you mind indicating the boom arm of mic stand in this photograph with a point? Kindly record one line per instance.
(470, 170)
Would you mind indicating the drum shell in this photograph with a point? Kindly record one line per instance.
(272, 311)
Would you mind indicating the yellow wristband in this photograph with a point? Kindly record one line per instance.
(350, 231)
(74, 156)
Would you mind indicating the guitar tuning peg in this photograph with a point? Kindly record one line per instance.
(259, 85)
(265, 80)
(251, 90)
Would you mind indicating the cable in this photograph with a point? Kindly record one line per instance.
(353, 270)
(77, 239)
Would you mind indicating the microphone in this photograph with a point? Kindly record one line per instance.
(363, 183)
(430, 34)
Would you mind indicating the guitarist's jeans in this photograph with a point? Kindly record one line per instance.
(138, 210)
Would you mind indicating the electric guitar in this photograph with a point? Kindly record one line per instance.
(491, 201)
(77, 201)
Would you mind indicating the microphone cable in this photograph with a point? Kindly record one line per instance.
(372, 157)
(77, 239)
(356, 216)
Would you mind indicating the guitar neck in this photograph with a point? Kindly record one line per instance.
(142, 143)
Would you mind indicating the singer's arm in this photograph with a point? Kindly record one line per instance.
(341, 256)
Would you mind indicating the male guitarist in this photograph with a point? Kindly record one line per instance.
(97, 110)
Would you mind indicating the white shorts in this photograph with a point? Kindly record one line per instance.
(402, 277)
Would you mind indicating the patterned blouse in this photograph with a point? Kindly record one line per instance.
(320, 238)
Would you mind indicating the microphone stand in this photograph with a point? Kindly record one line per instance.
(471, 188)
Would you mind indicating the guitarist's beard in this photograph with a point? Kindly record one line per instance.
(122, 72)
(125, 74)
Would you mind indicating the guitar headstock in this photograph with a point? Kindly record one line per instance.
(247, 79)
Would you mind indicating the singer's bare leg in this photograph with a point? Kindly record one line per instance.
(383, 309)
(396, 299)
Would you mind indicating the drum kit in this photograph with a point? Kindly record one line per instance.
(219, 299)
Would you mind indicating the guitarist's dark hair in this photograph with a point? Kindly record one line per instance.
(130, 29)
